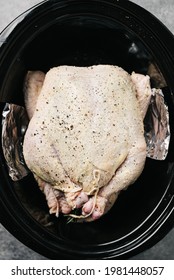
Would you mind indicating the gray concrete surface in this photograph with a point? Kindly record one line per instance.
(10, 248)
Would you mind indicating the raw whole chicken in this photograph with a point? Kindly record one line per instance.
(85, 140)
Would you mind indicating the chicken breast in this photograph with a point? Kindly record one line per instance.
(85, 138)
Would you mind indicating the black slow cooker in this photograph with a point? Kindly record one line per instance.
(83, 33)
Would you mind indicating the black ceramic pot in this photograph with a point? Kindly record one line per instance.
(83, 32)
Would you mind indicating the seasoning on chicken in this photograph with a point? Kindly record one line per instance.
(85, 140)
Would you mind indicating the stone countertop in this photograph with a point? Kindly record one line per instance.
(10, 247)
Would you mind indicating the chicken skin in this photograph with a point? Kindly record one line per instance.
(85, 140)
